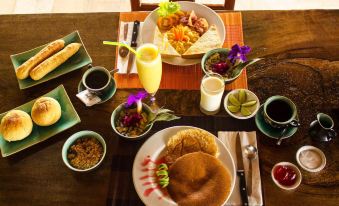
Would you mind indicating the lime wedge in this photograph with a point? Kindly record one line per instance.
(242, 96)
(249, 103)
(233, 108)
(233, 100)
(245, 111)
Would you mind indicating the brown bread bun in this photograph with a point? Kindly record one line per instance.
(46, 111)
(22, 72)
(199, 179)
(16, 125)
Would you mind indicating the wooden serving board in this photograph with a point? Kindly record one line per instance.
(188, 77)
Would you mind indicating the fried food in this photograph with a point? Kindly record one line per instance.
(199, 179)
(182, 37)
(188, 141)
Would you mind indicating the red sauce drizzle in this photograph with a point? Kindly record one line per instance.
(151, 166)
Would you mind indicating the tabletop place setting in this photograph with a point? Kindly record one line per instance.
(178, 46)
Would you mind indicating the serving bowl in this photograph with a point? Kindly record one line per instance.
(295, 168)
(250, 96)
(117, 111)
(150, 23)
(71, 140)
(237, 71)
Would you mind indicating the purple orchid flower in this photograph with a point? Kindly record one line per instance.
(238, 52)
(135, 98)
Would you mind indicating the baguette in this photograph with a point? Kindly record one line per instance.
(54, 61)
(22, 72)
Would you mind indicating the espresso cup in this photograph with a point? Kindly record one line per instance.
(322, 128)
(280, 112)
(97, 80)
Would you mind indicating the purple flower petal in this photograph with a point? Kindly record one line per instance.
(238, 52)
(133, 98)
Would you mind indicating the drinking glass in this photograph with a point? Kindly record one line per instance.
(149, 68)
(212, 88)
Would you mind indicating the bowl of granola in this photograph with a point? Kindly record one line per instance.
(84, 151)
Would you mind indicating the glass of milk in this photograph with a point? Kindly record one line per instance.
(212, 88)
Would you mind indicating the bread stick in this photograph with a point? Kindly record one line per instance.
(54, 61)
(22, 72)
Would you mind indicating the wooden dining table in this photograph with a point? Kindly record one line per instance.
(300, 51)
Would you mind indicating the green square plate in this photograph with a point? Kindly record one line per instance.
(77, 61)
(69, 118)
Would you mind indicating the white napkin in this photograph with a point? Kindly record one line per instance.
(123, 62)
(229, 139)
(88, 98)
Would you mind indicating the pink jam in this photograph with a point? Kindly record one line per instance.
(285, 175)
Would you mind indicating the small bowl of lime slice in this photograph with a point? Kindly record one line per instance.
(241, 103)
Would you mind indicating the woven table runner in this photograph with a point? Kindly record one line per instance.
(188, 77)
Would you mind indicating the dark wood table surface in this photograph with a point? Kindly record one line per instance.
(301, 51)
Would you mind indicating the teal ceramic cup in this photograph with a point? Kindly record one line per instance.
(71, 140)
(97, 80)
(280, 112)
(115, 116)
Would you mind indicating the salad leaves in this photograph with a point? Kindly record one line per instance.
(167, 8)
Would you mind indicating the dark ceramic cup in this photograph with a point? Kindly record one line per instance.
(280, 112)
(322, 128)
(97, 80)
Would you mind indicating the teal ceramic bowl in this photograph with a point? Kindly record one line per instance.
(117, 111)
(70, 142)
(221, 51)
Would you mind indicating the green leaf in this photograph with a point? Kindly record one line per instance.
(242, 65)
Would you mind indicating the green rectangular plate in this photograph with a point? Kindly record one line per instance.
(77, 61)
(69, 118)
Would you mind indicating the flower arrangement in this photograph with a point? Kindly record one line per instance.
(229, 63)
(134, 118)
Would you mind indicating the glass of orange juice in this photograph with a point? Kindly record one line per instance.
(149, 68)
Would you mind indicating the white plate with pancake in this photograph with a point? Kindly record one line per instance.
(154, 149)
(147, 32)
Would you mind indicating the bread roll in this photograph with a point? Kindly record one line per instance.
(22, 72)
(46, 111)
(54, 61)
(16, 125)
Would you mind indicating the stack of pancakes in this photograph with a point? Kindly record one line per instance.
(197, 177)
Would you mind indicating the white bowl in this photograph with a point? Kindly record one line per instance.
(147, 31)
(320, 153)
(250, 96)
(297, 171)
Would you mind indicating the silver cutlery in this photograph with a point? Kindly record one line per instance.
(241, 172)
(123, 51)
(134, 45)
(251, 153)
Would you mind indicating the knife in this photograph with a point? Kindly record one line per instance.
(240, 171)
(135, 33)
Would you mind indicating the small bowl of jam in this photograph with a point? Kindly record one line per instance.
(286, 175)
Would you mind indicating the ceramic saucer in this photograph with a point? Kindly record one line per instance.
(270, 131)
(104, 97)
